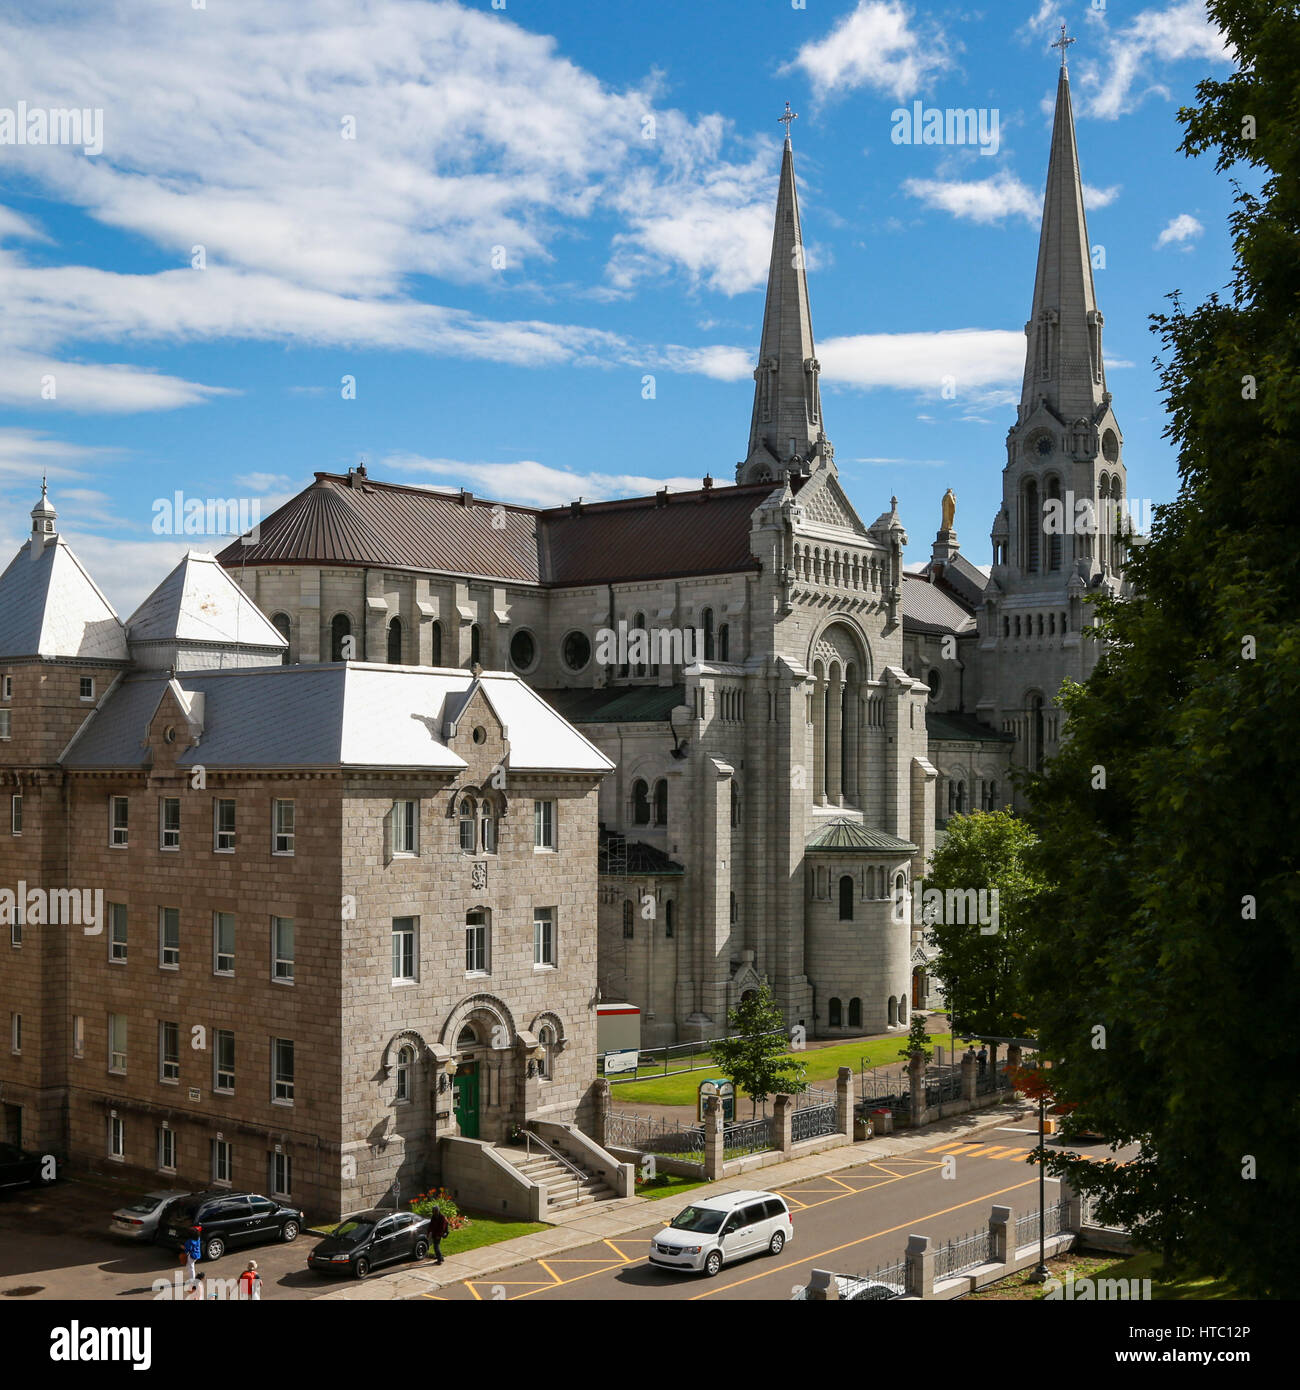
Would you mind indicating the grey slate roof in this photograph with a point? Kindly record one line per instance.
(927, 608)
(199, 602)
(51, 607)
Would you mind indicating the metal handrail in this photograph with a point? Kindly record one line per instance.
(584, 1178)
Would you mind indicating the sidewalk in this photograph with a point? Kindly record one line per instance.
(622, 1216)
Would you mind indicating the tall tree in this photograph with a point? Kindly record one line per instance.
(756, 1058)
(1163, 959)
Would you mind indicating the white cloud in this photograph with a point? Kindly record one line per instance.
(1183, 228)
(876, 46)
(533, 484)
(994, 198)
(974, 359)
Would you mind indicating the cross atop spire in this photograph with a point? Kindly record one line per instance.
(786, 119)
(1063, 43)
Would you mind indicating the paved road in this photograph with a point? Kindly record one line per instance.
(852, 1222)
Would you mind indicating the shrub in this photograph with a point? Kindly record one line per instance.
(439, 1199)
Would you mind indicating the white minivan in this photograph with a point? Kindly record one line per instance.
(713, 1231)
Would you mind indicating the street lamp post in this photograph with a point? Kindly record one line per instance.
(1040, 1274)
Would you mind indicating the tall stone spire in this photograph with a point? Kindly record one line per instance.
(787, 421)
(1063, 358)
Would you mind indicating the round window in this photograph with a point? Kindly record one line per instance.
(523, 651)
(480, 734)
(169, 733)
(577, 650)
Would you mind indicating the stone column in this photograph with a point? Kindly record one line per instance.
(916, 1083)
(969, 1075)
(783, 1123)
(819, 742)
(600, 1110)
(822, 1287)
(920, 1267)
(1002, 1240)
(851, 746)
(1013, 1055)
(713, 1138)
(844, 1101)
(834, 737)
(1072, 1216)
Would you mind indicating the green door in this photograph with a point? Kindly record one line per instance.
(467, 1100)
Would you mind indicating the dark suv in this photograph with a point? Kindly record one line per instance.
(224, 1219)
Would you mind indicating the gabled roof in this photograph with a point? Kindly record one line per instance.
(928, 609)
(51, 607)
(848, 837)
(339, 714)
(199, 602)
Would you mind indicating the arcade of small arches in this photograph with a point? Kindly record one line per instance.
(1042, 550)
(833, 568)
(664, 911)
(838, 1016)
(839, 707)
(962, 793)
(871, 883)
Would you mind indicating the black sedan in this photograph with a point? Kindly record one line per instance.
(368, 1239)
(18, 1168)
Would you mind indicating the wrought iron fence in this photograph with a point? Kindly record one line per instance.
(812, 1097)
(993, 1079)
(651, 1134)
(1027, 1225)
(753, 1136)
(672, 1059)
(941, 1089)
(963, 1253)
(1089, 1216)
(813, 1122)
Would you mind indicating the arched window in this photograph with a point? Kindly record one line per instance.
(468, 830)
(735, 805)
(880, 882)
(475, 645)
(724, 642)
(706, 622)
(902, 1008)
(1054, 541)
(893, 1012)
(735, 911)
(467, 1037)
(640, 803)
(638, 625)
(340, 627)
(545, 1043)
(834, 1011)
(668, 918)
(846, 898)
(661, 801)
(395, 642)
(280, 622)
(405, 1061)
(1036, 732)
(993, 796)
(1033, 528)
(627, 919)
(961, 798)
(900, 886)
(487, 820)
(855, 1013)
(435, 645)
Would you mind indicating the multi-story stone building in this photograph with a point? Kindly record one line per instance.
(329, 915)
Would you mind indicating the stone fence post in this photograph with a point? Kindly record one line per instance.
(783, 1123)
(1072, 1216)
(969, 1076)
(822, 1287)
(920, 1266)
(844, 1090)
(714, 1154)
(916, 1083)
(1002, 1241)
(600, 1110)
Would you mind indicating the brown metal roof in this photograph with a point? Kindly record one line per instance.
(354, 520)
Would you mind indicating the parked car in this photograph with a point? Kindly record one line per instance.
(368, 1239)
(713, 1231)
(139, 1219)
(222, 1219)
(18, 1167)
(852, 1288)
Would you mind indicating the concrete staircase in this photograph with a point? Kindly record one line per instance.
(565, 1191)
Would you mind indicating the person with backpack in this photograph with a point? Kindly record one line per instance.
(250, 1282)
(438, 1228)
(192, 1252)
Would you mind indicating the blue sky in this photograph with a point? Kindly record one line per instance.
(542, 205)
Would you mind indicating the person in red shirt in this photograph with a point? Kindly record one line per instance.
(250, 1282)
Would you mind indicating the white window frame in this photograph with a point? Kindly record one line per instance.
(16, 1033)
(163, 948)
(545, 819)
(166, 1150)
(217, 952)
(482, 951)
(78, 1035)
(223, 1078)
(282, 841)
(282, 1090)
(117, 1057)
(164, 1062)
(471, 820)
(412, 948)
(6, 687)
(406, 828)
(218, 834)
(114, 956)
(82, 681)
(15, 931)
(402, 1074)
(119, 836)
(6, 725)
(169, 836)
(116, 1139)
(543, 938)
(16, 814)
(282, 965)
(222, 1159)
(281, 1175)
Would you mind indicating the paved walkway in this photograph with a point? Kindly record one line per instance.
(622, 1216)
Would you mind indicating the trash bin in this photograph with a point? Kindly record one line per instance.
(883, 1121)
(863, 1128)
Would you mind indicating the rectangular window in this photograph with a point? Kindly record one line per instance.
(78, 1035)
(223, 825)
(169, 822)
(543, 825)
(15, 1032)
(223, 943)
(7, 687)
(223, 1078)
(87, 687)
(116, 1138)
(117, 932)
(406, 827)
(169, 1051)
(117, 821)
(6, 727)
(222, 1166)
(543, 936)
(403, 949)
(282, 949)
(476, 948)
(169, 937)
(282, 1070)
(281, 1175)
(282, 827)
(167, 1150)
(16, 813)
(117, 1043)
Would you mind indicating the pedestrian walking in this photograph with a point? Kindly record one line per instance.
(192, 1252)
(983, 1059)
(438, 1228)
(250, 1282)
(194, 1290)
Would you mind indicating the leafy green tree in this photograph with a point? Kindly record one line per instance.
(757, 1058)
(981, 968)
(918, 1041)
(1163, 960)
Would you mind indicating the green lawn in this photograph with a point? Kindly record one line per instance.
(822, 1065)
(1089, 1265)
(487, 1230)
(667, 1185)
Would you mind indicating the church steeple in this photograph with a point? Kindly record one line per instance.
(785, 430)
(1063, 359)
